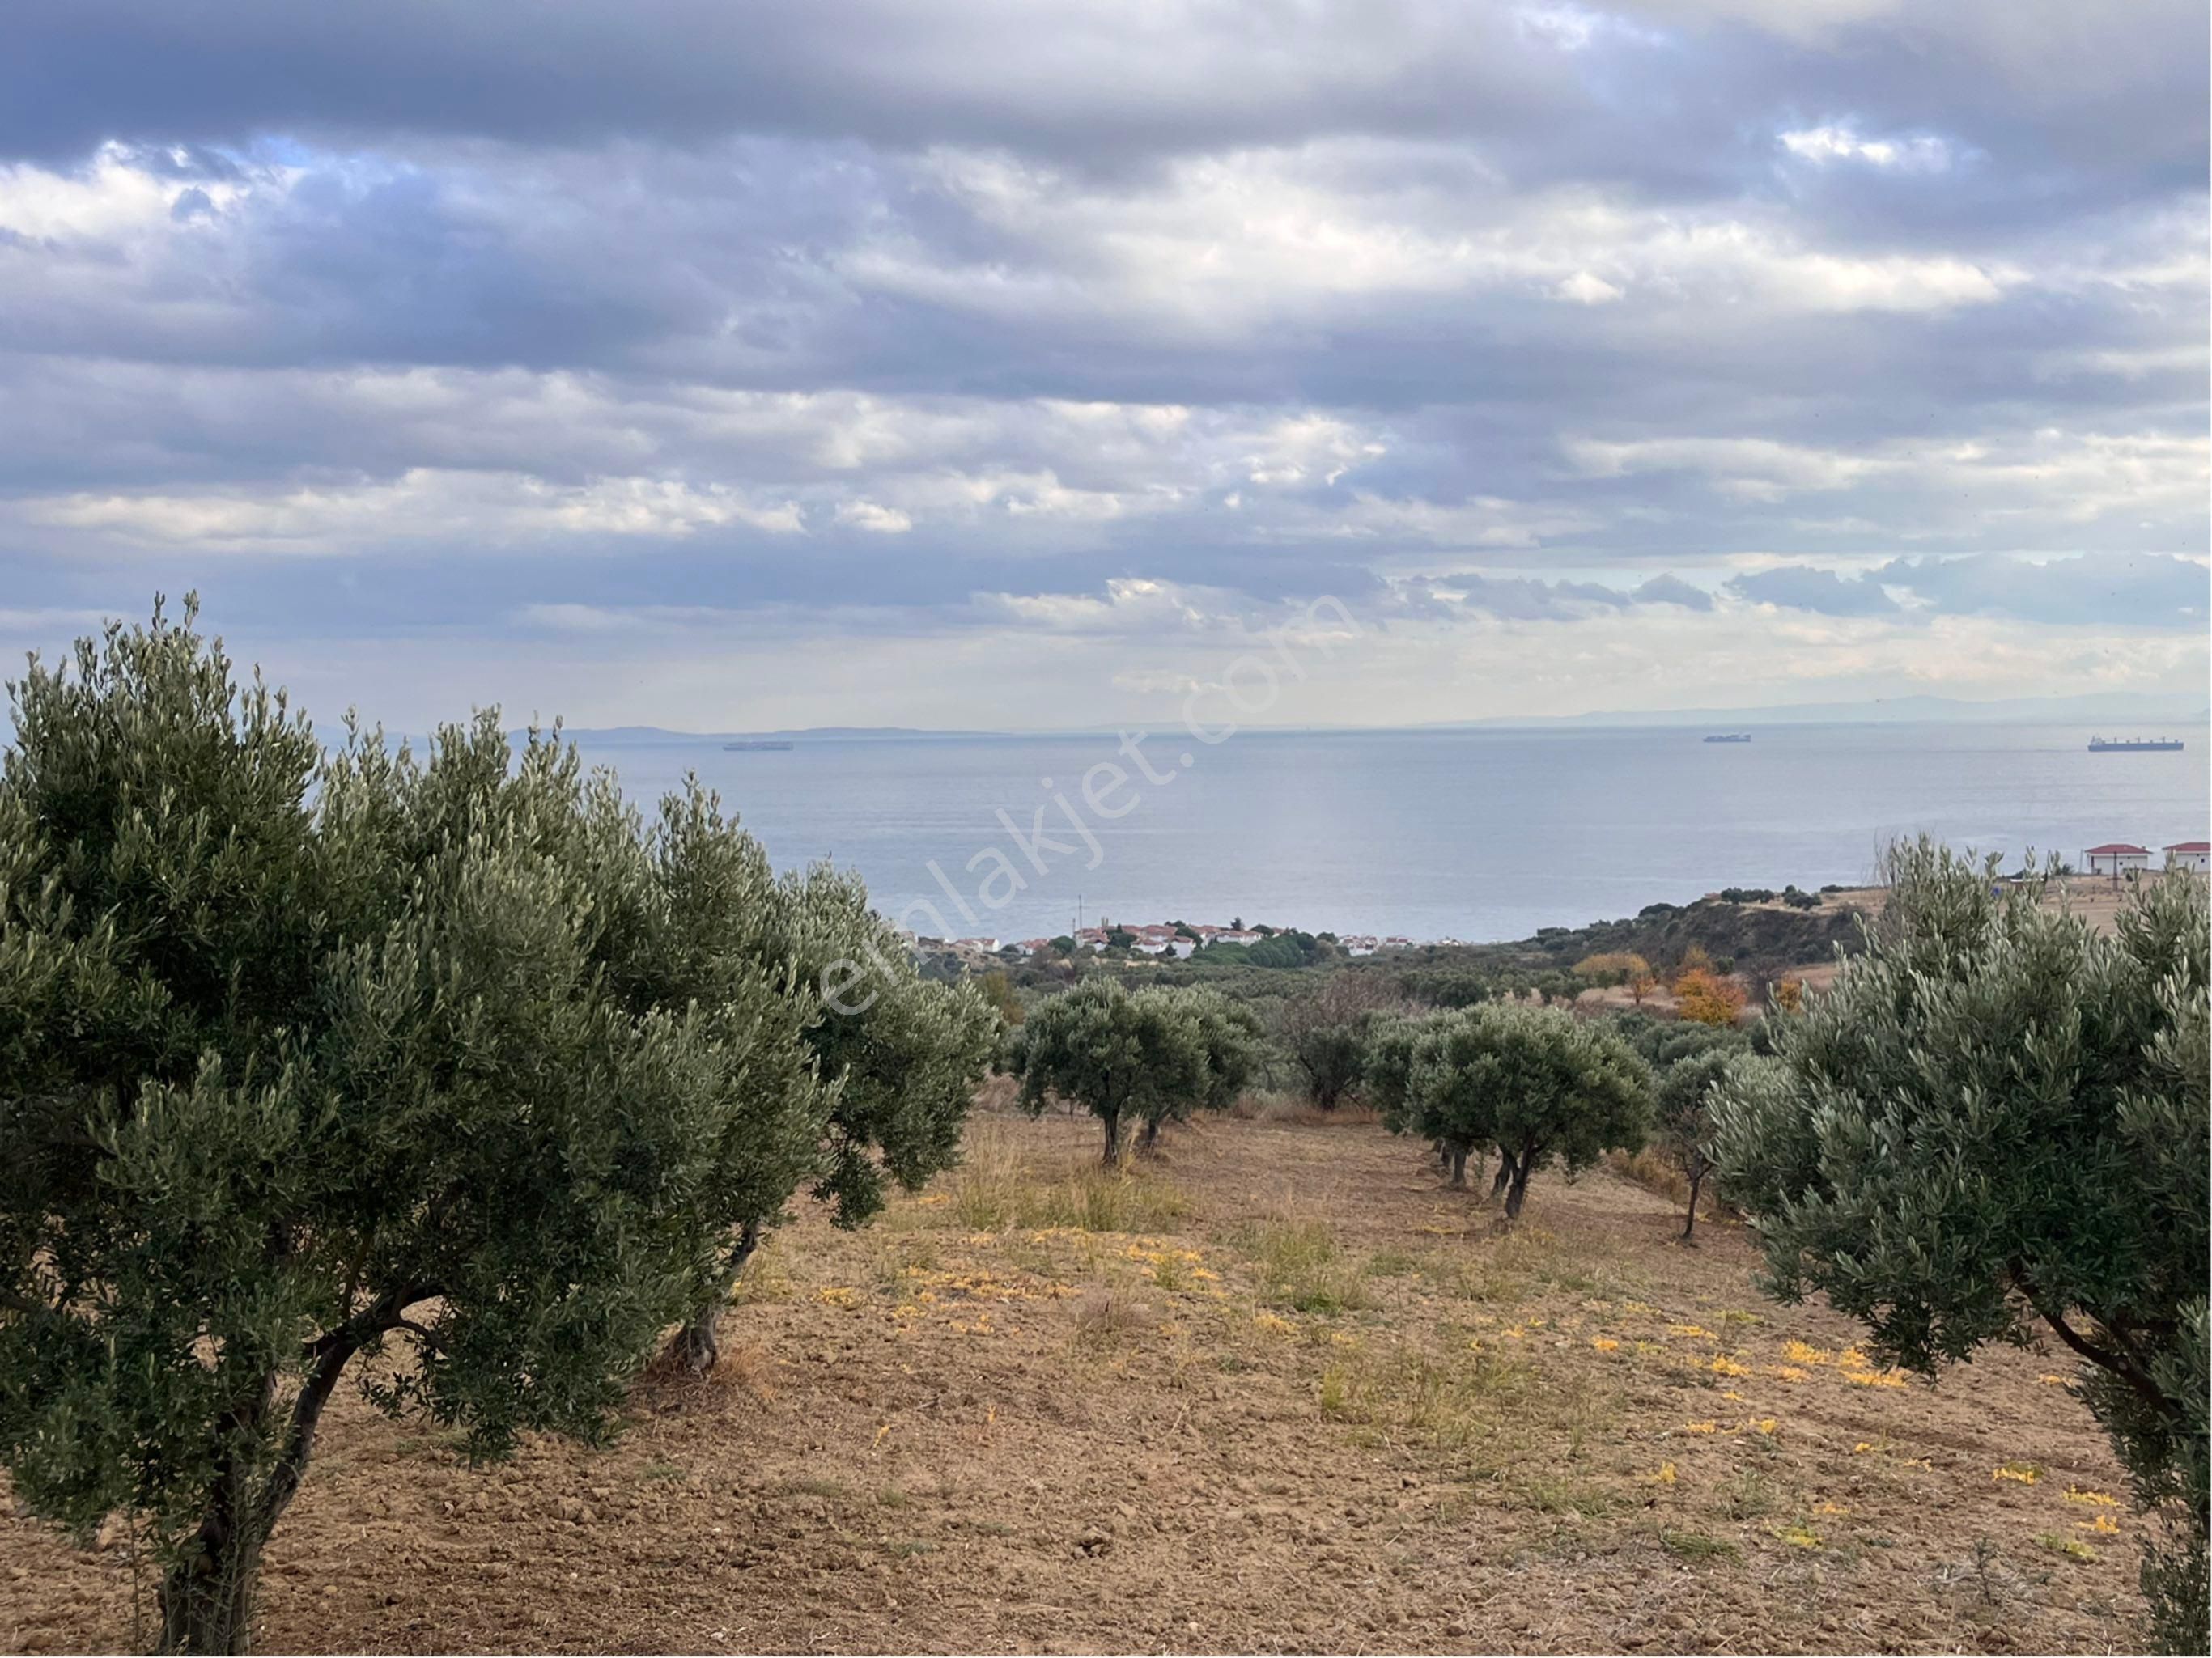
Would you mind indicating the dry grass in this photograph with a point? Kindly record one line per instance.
(1298, 1397)
(1000, 1185)
(1277, 1106)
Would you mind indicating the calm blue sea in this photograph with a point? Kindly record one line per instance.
(1480, 836)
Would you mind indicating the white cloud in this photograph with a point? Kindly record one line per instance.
(1827, 145)
(879, 520)
(1584, 288)
(422, 503)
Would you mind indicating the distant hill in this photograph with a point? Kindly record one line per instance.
(2146, 708)
(2132, 710)
(642, 735)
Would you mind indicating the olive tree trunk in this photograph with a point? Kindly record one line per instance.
(698, 1345)
(1456, 1158)
(206, 1596)
(1516, 1190)
(1111, 1119)
(206, 1601)
(1690, 1222)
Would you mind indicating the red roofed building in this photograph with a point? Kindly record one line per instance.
(2116, 859)
(2190, 854)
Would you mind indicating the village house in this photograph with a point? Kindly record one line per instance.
(2190, 854)
(2116, 858)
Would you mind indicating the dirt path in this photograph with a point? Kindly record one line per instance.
(1284, 1393)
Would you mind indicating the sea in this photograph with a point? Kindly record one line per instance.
(1470, 835)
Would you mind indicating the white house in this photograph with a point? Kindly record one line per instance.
(2190, 854)
(2116, 858)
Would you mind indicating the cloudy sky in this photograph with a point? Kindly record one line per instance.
(1009, 363)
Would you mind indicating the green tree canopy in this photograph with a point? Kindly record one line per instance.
(298, 1061)
(1229, 1032)
(1538, 1084)
(1681, 1110)
(1326, 1030)
(304, 1057)
(1996, 1125)
(1151, 1056)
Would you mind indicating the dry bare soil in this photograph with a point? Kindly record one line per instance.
(1284, 1391)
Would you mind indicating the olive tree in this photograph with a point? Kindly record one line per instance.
(1681, 1103)
(1119, 1055)
(898, 1056)
(1995, 1127)
(1386, 1073)
(1536, 1082)
(1229, 1036)
(307, 1062)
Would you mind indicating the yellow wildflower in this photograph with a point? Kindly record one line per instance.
(2024, 1473)
(1604, 1344)
(2095, 1499)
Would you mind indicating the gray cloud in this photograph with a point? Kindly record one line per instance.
(2142, 590)
(373, 318)
(1806, 589)
(1673, 590)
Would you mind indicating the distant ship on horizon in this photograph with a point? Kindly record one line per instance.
(1730, 737)
(753, 744)
(2135, 744)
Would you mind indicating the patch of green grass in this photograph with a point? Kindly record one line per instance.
(1392, 1263)
(1301, 1266)
(1337, 1384)
(892, 1497)
(1694, 1546)
(995, 1189)
(660, 1469)
(907, 1547)
(1561, 1494)
(1750, 1494)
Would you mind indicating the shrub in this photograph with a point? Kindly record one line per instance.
(1997, 1118)
(1702, 995)
(1325, 1031)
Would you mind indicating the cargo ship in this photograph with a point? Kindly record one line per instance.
(1730, 737)
(2135, 746)
(754, 745)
